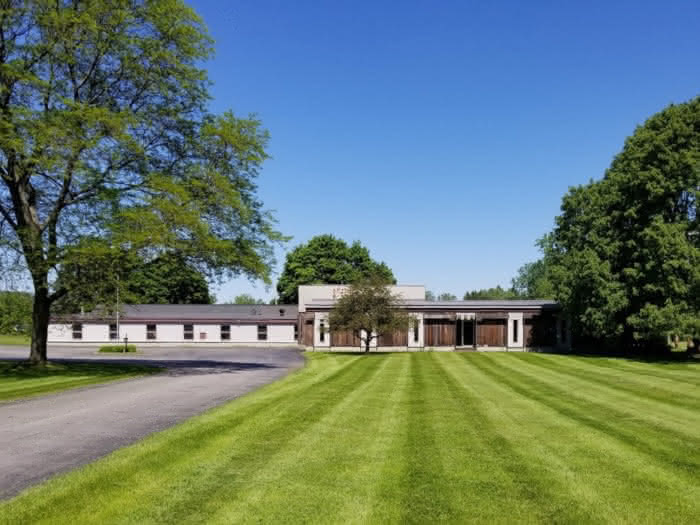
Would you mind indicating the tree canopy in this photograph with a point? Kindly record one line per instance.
(127, 278)
(105, 135)
(624, 257)
(15, 312)
(369, 309)
(245, 298)
(326, 259)
(533, 282)
(497, 292)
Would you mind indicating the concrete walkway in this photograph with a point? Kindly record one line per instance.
(40, 437)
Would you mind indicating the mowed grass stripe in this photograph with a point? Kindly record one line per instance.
(644, 431)
(650, 464)
(663, 391)
(416, 437)
(421, 484)
(511, 428)
(244, 460)
(664, 417)
(178, 460)
(230, 452)
(631, 484)
(331, 460)
(688, 372)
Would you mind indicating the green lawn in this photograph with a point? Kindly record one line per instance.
(413, 437)
(7, 339)
(19, 380)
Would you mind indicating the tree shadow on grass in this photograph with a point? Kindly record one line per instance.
(21, 369)
(111, 367)
(655, 356)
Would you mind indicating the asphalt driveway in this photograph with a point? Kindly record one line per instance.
(40, 437)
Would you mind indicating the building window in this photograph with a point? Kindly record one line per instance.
(262, 332)
(296, 332)
(515, 330)
(77, 331)
(188, 332)
(113, 335)
(322, 328)
(416, 327)
(151, 332)
(225, 332)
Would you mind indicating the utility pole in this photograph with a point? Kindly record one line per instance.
(118, 308)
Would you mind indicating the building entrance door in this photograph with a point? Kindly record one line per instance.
(464, 332)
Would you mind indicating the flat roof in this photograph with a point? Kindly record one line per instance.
(476, 304)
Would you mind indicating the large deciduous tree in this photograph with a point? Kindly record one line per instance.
(104, 134)
(168, 279)
(368, 308)
(533, 282)
(326, 259)
(126, 278)
(624, 257)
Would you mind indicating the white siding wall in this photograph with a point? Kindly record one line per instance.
(515, 342)
(317, 330)
(135, 332)
(280, 333)
(411, 336)
(207, 333)
(98, 333)
(244, 333)
(60, 333)
(173, 333)
(168, 333)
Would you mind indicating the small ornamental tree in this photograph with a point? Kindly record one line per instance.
(369, 309)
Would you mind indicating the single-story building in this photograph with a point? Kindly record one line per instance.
(440, 325)
(181, 323)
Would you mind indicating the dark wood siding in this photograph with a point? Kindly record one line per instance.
(540, 330)
(307, 330)
(344, 338)
(491, 332)
(399, 338)
(439, 332)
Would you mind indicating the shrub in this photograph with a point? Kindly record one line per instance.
(117, 348)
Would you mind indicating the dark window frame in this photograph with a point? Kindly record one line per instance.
(225, 332)
(515, 330)
(77, 329)
(262, 332)
(322, 330)
(151, 333)
(188, 332)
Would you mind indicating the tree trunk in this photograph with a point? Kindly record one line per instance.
(367, 343)
(40, 324)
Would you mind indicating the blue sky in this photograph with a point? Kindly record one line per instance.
(442, 134)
